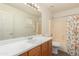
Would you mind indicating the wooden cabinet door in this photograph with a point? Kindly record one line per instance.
(44, 49)
(35, 51)
(50, 47)
(47, 48)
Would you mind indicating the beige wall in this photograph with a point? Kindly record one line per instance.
(46, 16)
(59, 31)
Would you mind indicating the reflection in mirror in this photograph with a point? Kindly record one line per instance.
(18, 20)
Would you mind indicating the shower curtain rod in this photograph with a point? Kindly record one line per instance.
(66, 16)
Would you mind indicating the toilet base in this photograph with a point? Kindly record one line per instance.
(55, 50)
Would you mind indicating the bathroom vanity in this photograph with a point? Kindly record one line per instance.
(44, 49)
(27, 46)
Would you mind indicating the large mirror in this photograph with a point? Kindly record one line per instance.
(18, 20)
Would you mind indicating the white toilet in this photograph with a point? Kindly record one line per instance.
(56, 46)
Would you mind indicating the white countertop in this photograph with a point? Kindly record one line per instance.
(17, 46)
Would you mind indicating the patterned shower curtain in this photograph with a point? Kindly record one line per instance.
(73, 35)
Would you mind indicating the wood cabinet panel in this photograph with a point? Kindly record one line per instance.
(47, 48)
(44, 47)
(24, 54)
(50, 48)
(35, 51)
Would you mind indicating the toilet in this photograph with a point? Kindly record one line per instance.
(56, 46)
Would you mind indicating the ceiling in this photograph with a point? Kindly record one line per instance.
(24, 7)
(53, 7)
(57, 7)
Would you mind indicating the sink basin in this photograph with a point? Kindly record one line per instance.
(36, 39)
